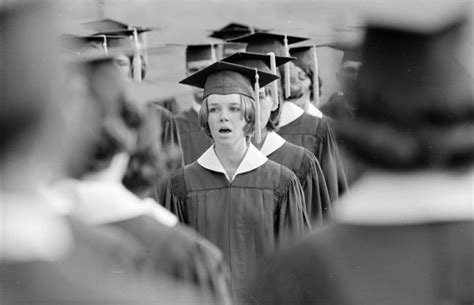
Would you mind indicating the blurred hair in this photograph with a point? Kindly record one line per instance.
(247, 110)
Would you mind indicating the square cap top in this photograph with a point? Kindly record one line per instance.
(267, 42)
(227, 78)
(258, 61)
(234, 30)
(77, 43)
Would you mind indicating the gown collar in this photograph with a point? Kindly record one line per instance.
(273, 142)
(314, 111)
(382, 198)
(289, 113)
(102, 202)
(253, 159)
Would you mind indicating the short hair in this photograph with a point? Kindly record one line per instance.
(247, 110)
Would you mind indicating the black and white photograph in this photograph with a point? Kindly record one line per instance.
(237, 152)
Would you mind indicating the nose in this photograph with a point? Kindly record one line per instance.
(224, 116)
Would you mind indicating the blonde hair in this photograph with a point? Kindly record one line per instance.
(247, 110)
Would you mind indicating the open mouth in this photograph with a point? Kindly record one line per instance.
(224, 130)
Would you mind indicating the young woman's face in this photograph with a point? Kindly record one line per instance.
(300, 81)
(226, 120)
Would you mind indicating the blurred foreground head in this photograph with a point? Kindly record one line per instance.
(414, 97)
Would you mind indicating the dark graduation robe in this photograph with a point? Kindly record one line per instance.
(48, 258)
(316, 135)
(194, 142)
(170, 250)
(246, 216)
(182, 255)
(306, 167)
(387, 247)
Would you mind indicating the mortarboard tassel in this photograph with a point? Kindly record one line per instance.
(315, 76)
(213, 54)
(274, 71)
(137, 63)
(287, 69)
(258, 130)
(104, 44)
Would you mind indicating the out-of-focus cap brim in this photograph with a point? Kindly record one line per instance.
(236, 57)
(266, 36)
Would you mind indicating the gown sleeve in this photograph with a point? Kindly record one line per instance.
(331, 163)
(291, 220)
(318, 202)
(173, 196)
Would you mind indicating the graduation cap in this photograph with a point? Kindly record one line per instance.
(76, 43)
(307, 60)
(263, 62)
(271, 42)
(227, 78)
(414, 101)
(234, 30)
(197, 52)
(351, 50)
(230, 48)
(110, 27)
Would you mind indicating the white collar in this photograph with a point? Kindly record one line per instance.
(314, 111)
(33, 230)
(161, 214)
(253, 159)
(273, 141)
(289, 113)
(419, 197)
(196, 107)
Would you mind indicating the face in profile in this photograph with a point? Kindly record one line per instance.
(300, 82)
(226, 119)
(193, 67)
(124, 65)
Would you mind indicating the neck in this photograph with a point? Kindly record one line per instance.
(264, 136)
(230, 156)
(115, 172)
(303, 101)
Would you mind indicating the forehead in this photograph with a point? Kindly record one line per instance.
(215, 99)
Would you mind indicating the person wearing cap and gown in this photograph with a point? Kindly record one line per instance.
(194, 142)
(300, 160)
(46, 255)
(230, 31)
(233, 195)
(305, 80)
(100, 198)
(339, 103)
(405, 233)
(296, 126)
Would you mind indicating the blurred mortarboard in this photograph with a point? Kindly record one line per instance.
(227, 78)
(271, 42)
(268, 42)
(76, 43)
(197, 52)
(414, 101)
(307, 60)
(108, 26)
(234, 30)
(351, 49)
(230, 48)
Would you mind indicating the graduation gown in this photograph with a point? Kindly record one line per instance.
(308, 171)
(316, 135)
(48, 258)
(194, 141)
(170, 249)
(388, 246)
(247, 215)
